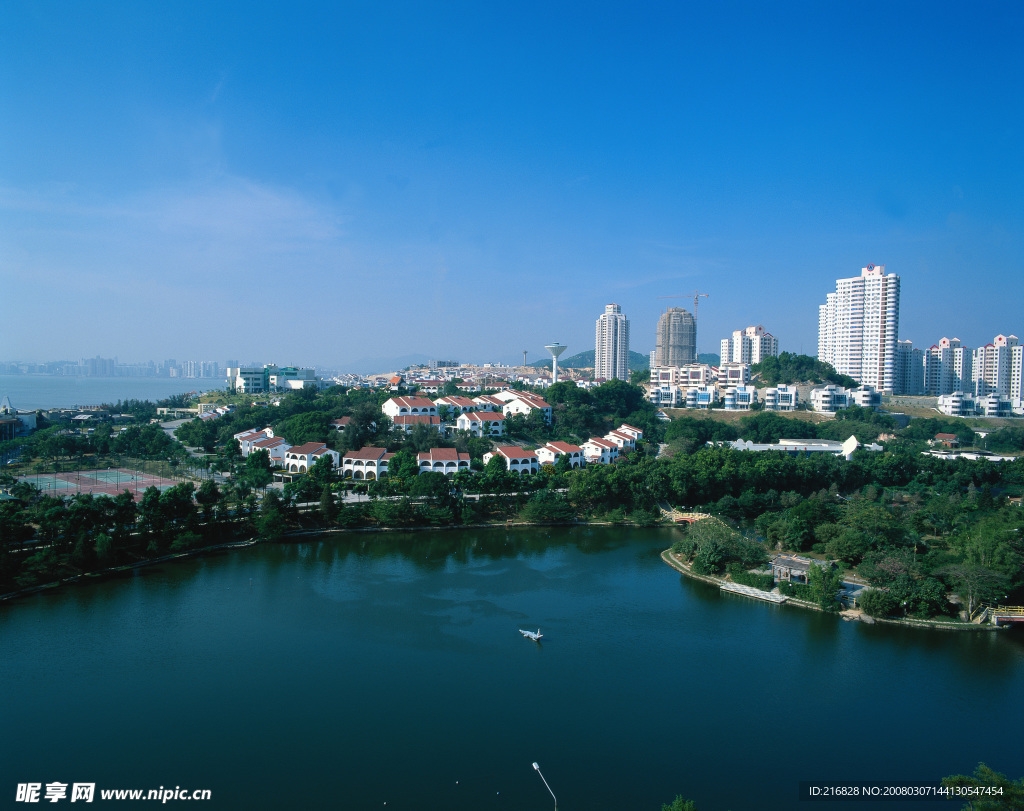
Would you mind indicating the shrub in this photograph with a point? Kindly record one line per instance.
(877, 603)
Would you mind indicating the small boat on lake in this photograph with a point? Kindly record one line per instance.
(531, 635)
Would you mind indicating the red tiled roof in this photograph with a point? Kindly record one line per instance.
(417, 419)
(413, 402)
(564, 447)
(309, 447)
(477, 416)
(443, 455)
(270, 442)
(515, 452)
(369, 452)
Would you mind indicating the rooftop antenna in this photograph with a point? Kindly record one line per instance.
(555, 349)
(697, 295)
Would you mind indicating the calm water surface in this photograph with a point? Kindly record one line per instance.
(360, 670)
(29, 392)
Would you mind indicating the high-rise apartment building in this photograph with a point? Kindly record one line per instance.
(676, 343)
(947, 368)
(611, 346)
(750, 345)
(909, 369)
(996, 365)
(857, 328)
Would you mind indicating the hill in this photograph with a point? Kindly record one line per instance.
(585, 360)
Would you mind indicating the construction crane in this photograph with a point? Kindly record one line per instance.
(697, 295)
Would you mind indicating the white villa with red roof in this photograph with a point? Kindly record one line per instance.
(302, 457)
(429, 386)
(398, 406)
(599, 451)
(625, 441)
(365, 464)
(246, 438)
(275, 447)
(443, 460)
(482, 423)
(341, 423)
(516, 459)
(549, 454)
(456, 404)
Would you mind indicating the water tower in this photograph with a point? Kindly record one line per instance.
(555, 349)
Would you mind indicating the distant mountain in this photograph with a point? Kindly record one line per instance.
(585, 360)
(710, 358)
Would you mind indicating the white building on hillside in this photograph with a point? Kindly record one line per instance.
(549, 454)
(750, 345)
(781, 398)
(516, 459)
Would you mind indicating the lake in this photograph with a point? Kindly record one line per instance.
(373, 670)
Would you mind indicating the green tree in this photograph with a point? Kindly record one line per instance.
(679, 804)
(825, 582)
(328, 506)
(1010, 798)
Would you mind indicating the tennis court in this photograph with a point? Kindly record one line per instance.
(98, 482)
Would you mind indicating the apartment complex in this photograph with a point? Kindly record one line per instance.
(677, 339)
(750, 345)
(611, 345)
(857, 328)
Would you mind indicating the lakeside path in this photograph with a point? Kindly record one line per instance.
(853, 614)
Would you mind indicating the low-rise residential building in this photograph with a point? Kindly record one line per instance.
(456, 404)
(691, 374)
(600, 451)
(365, 464)
(302, 457)
(740, 398)
(443, 460)
(516, 459)
(701, 396)
(526, 404)
(831, 398)
(399, 406)
(622, 440)
(549, 454)
(275, 447)
(781, 398)
(733, 374)
(429, 386)
(341, 423)
(482, 423)
(667, 396)
(957, 404)
(245, 439)
(626, 428)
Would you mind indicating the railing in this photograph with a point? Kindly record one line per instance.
(1013, 610)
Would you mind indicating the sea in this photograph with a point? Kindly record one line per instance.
(33, 392)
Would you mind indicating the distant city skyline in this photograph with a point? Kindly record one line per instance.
(349, 181)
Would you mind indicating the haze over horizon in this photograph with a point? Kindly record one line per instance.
(326, 183)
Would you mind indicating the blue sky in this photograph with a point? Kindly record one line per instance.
(318, 183)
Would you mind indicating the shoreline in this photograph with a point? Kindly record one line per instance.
(39, 588)
(849, 615)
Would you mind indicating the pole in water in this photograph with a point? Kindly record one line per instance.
(553, 797)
